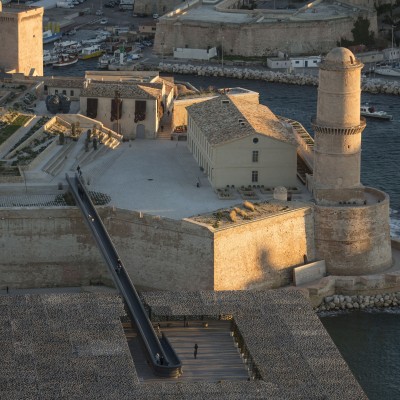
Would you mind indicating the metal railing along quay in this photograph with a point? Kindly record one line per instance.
(171, 366)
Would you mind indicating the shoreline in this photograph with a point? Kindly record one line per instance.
(338, 303)
(369, 85)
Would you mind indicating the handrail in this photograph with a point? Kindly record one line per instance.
(172, 366)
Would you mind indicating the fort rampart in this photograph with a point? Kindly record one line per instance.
(354, 238)
(53, 247)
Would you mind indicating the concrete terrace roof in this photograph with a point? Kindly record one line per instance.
(68, 82)
(219, 119)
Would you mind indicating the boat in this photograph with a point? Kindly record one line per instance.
(67, 44)
(388, 70)
(104, 61)
(49, 57)
(124, 61)
(50, 36)
(91, 52)
(65, 59)
(391, 68)
(370, 112)
(97, 40)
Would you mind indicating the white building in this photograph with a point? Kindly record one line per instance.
(241, 142)
(305, 62)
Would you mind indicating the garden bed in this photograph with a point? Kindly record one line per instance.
(11, 123)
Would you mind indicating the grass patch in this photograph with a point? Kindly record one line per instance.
(11, 128)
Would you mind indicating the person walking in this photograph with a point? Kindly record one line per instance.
(195, 350)
(157, 358)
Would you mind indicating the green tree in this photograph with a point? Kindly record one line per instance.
(361, 32)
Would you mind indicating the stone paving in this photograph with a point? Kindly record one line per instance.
(32, 200)
(72, 346)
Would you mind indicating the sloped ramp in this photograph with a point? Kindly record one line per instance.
(172, 366)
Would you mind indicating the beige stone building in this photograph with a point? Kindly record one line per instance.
(131, 103)
(21, 39)
(241, 142)
(130, 106)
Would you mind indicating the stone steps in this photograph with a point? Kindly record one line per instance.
(218, 357)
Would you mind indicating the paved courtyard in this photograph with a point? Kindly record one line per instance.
(158, 177)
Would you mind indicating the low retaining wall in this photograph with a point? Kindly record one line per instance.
(368, 85)
(309, 272)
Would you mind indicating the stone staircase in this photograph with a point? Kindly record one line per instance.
(218, 357)
(57, 162)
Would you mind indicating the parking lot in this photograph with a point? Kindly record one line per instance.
(92, 12)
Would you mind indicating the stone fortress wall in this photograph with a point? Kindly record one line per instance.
(353, 238)
(21, 31)
(261, 36)
(263, 254)
(53, 247)
(312, 37)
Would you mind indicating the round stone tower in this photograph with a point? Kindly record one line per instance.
(351, 222)
(338, 126)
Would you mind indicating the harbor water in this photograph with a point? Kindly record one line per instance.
(368, 341)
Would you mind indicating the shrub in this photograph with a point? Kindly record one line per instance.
(240, 212)
(233, 216)
(248, 205)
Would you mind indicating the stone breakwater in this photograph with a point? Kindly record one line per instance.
(340, 302)
(368, 85)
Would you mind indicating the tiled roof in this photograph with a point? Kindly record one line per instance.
(64, 82)
(227, 118)
(127, 90)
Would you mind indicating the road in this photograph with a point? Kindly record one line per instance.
(89, 19)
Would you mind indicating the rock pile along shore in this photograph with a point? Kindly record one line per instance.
(368, 85)
(339, 302)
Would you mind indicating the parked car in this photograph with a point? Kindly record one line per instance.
(110, 4)
(155, 16)
(99, 12)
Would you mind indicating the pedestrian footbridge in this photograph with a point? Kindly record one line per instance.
(172, 366)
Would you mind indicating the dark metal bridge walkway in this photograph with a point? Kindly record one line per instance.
(172, 366)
